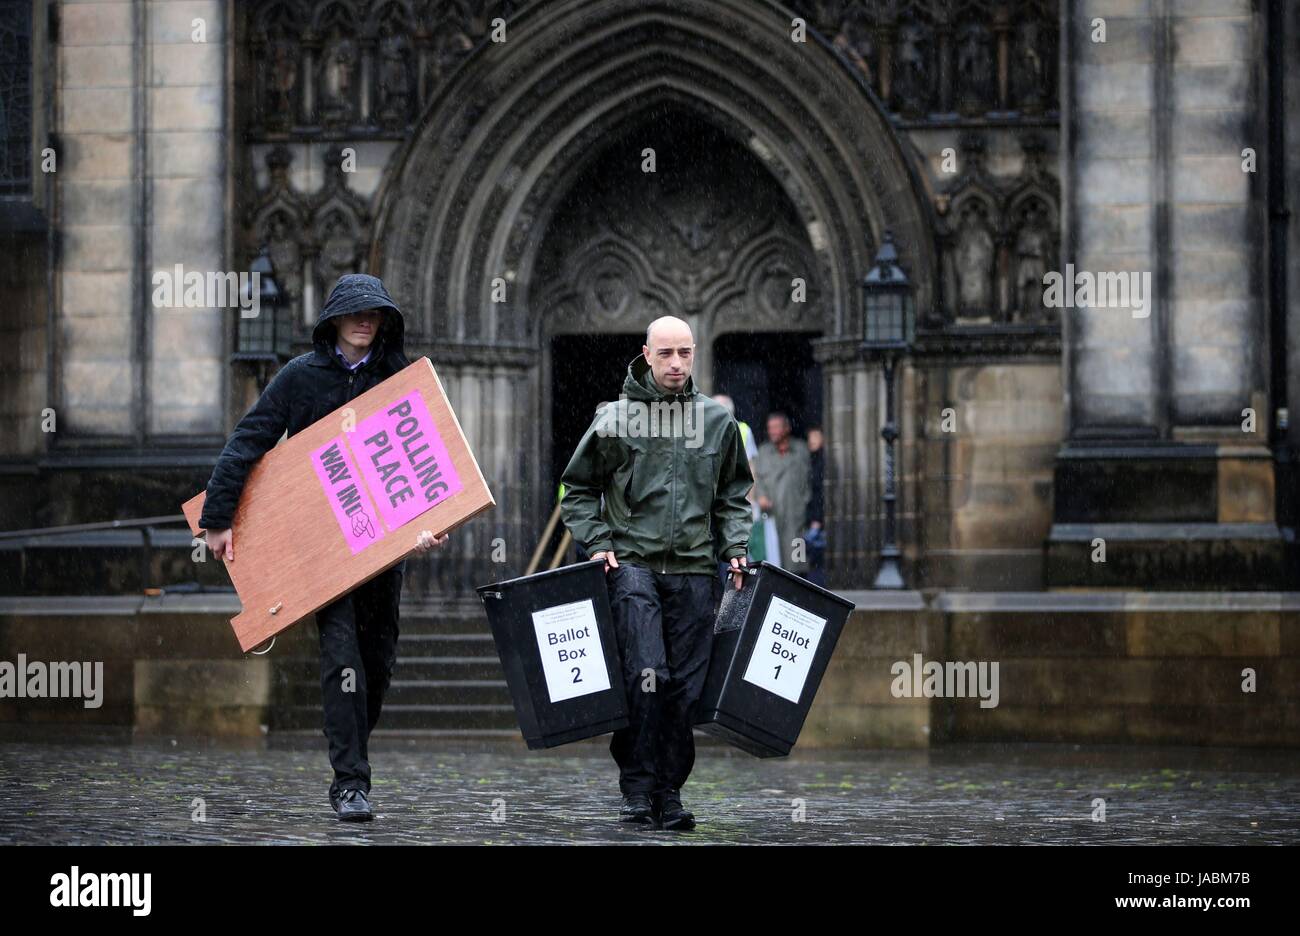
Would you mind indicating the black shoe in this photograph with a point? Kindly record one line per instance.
(670, 812)
(636, 808)
(352, 806)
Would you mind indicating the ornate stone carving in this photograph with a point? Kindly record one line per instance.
(912, 79)
(802, 114)
(1033, 65)
(339, 226)
(975, 260)
(277, 219)
(711, 232)
(394, 85)
(275, 45)
(976, 69)
(924, 56)
(999, 238)
(338, 68)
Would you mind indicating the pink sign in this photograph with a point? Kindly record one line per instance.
(404, 461)
(347, 495)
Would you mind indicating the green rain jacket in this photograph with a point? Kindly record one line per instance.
(673, 473)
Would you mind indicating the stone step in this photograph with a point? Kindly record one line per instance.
(448, 692)
(446, 644)
(292, 673)
(449, 667)
(421, 717)
(432, 622)
(419, 692)
(291, 738)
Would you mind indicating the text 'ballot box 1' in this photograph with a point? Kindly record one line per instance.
(771, 644)
(555, 636)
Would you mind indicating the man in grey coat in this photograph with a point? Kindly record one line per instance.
(784, 487)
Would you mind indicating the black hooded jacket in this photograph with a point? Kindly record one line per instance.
(306, 389)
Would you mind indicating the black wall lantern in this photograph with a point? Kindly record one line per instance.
(888, 330)
(268, 335)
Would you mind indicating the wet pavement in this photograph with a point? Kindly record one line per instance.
(468, 793)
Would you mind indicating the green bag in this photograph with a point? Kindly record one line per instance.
(757, 542)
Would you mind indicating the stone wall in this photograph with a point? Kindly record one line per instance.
(978, 457)
(1122, 667)
(1163, 460)
(141, 188)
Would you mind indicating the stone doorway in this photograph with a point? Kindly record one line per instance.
(708, 235)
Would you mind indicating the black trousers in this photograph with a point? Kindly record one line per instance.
(358, 649)
(664, 627)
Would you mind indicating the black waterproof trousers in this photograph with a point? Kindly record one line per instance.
(664, 626)
(358, 649)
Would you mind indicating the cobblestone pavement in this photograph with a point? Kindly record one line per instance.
(501, 793)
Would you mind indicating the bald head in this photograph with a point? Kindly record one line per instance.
(668, 328)
(670, 350)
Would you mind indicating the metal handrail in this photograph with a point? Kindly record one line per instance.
(92, 527)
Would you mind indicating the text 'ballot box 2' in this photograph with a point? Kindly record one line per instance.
(555, 636)
(771, 644)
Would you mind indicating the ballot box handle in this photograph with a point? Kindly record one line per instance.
(735, 602)
(490, 594)
(255, 652)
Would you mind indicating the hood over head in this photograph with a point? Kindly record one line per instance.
(356, 292)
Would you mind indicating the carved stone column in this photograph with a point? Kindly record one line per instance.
(493, 391)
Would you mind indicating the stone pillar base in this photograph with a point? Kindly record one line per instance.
(1171, 516)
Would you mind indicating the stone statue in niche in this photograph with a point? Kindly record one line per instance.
(1029, 69)
(854, 41)
(279, 233)
(394, 76)
(975, 69)
(281, 80)
(974, 259)
(1033, 255)
(450, 45)
(911, 73)
(338, 250)
(337, 79)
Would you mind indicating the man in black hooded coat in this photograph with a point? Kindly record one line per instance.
(357, 345)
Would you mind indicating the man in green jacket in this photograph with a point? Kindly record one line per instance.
(670, 466)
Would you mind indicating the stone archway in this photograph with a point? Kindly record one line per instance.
(466, 205)
(708, 235)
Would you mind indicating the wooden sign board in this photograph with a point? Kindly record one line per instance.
(345, 499)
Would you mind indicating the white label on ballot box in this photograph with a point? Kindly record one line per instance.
(572, 657)
(785, 649)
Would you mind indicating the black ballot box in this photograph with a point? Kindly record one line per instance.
(771, 643)
(555, 637)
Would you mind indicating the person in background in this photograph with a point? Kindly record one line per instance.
(751, 450)
(816, 520)
(784, 489)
